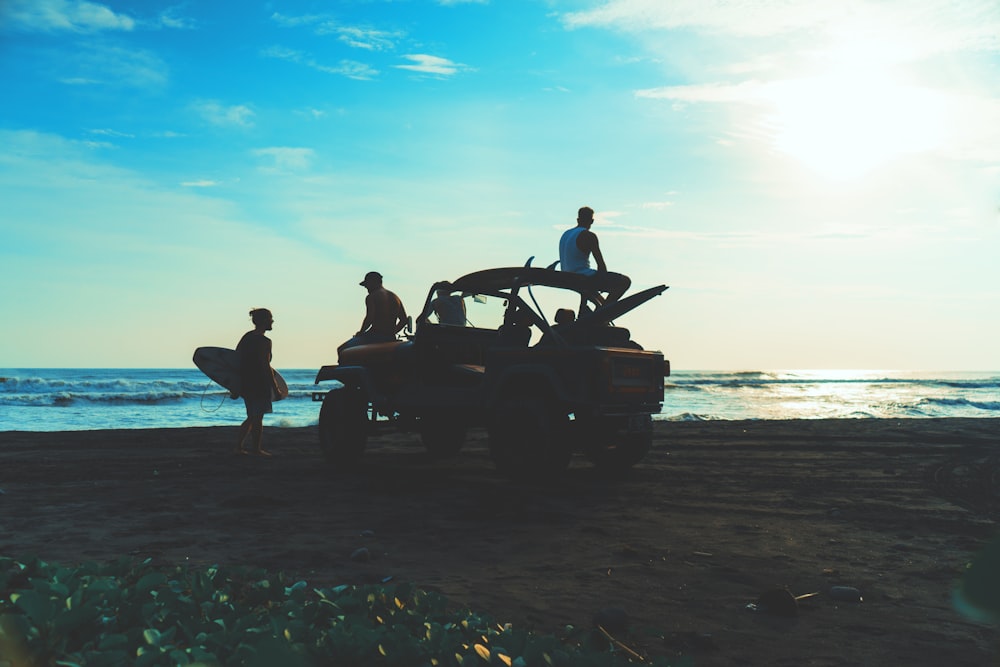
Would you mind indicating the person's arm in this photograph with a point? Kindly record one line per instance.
(367, 322)
(267, 367)
(588, 243)
(400, 316)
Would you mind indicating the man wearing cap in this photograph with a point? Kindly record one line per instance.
(384, 314)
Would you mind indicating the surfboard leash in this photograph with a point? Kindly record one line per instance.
(205, 391)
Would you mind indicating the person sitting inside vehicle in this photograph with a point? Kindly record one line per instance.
(516, 329)
(449, 308)
(565, 316)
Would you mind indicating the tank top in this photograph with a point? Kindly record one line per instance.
(571, 258)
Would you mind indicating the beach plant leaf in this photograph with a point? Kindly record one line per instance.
(134, 613)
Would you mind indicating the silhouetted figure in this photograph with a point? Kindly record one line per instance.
(515, 330)
(449, 309)
(575, 249)
(256, 380)
(565, 316)
(384, 314)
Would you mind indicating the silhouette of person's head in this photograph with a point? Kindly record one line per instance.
(261, 318)
(372, 279)
(565, 316)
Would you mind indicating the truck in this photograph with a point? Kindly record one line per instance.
(531, 354)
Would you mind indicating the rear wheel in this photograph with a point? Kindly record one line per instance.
(611, 445)
(528, 437)
(442, 435)
(343, 426)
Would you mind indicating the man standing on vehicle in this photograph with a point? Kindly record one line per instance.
(384, 314)
(575, 248)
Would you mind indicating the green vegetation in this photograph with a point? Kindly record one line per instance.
(140, 614)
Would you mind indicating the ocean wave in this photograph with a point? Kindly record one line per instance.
(961, 402)
(765, 378)
(109, 386)
(64, 398)
(691, 417)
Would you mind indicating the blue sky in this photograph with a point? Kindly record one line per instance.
(819, 183)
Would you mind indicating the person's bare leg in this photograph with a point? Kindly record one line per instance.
(258, 435)
(244, 431)
(618, 288)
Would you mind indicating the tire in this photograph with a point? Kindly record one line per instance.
(529, 438)
(442, 435)
(608, 446)
(343, 426)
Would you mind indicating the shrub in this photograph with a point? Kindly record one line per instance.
(136, 613)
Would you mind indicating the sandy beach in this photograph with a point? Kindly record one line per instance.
(717, 514)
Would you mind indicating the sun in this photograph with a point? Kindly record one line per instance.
(845, 122)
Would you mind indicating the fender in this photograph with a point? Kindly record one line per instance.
(355, 376)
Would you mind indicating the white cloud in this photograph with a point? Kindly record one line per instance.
(349, 68)
(97, 144)
(217, 114)
(101, 64)
(283, 53)
(312, 113)
(431, 64)
(758, 18)
(111, 133)
(362, 38)
(200, 184)
(62, 15)
(79, 81)
(169, 18)
(359, 37)
(708, 92)
(285, 158)
(928, 27)
(296, 21)
(352, 69)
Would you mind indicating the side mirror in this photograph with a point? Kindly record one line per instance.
(409, 324)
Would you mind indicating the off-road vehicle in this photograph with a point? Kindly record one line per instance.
(543, 389)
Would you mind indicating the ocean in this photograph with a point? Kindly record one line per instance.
(86, 399)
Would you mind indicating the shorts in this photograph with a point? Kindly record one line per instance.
(257, 406)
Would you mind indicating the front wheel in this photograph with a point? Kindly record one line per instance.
(442, 435)
(615, 444)
(528, 438)
(343, 426)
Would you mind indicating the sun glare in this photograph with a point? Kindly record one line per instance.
(855, 115)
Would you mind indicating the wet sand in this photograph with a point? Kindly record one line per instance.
(718, 513)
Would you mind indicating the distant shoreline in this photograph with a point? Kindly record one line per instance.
(659, 425)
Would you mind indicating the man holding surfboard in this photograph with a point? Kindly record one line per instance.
(384, 314)
(257, 384)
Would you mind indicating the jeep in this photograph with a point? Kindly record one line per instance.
(531, 354)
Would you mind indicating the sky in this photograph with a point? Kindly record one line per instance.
(818, 183)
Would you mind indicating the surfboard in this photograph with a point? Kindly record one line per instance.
(222, 366)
